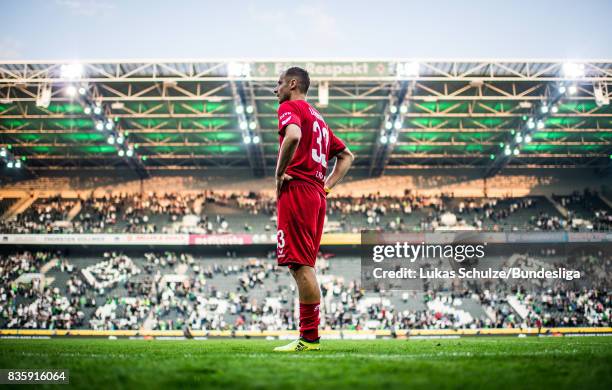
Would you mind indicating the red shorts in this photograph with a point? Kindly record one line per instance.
(301, 214)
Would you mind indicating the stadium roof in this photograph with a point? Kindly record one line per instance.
(394, 114)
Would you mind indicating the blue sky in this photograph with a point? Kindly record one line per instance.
(107, 29)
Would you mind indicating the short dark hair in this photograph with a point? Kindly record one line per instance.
(301, 75)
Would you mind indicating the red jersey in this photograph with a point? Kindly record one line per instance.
(317, 146)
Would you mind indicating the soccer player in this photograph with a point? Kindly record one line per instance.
(306, 146)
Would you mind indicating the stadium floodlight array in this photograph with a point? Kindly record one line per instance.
(391, 125)
(393, 121)
(537, 120)
(103, 123)
(394, 117)
(533, 123)
(246, 113)
(9, 159)
(97, 112)
(247, 120)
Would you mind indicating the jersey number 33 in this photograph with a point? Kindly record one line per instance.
(319, 152)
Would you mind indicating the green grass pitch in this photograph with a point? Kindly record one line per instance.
(495, 363)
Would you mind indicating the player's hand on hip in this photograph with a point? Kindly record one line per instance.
(279, 182)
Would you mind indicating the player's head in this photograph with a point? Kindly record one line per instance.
(294, 81)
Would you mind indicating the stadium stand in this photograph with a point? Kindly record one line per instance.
(215, 212)
(166, 290)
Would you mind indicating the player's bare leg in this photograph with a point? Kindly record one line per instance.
(310, 297)
(308, 286)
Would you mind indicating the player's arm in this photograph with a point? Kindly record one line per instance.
(344, 160)
(293, 134)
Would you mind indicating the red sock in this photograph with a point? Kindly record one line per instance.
(309, 321)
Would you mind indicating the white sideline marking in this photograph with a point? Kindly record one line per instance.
(408, 356)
